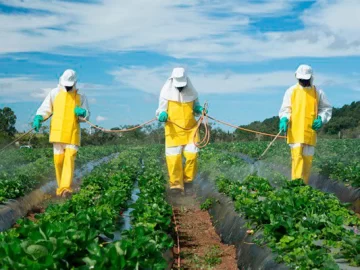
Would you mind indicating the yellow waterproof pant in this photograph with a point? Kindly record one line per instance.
(64, 169)
(178, 173)
(301, 164)
(175, 169)
(190, 169)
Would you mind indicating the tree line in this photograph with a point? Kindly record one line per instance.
(345, 123)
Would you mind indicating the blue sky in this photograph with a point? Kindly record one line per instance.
(240, 55)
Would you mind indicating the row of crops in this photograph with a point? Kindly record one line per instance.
(75, 234)
(23, 170)
(337, 159)
(304, 227)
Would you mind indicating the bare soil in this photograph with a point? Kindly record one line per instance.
(200, 245)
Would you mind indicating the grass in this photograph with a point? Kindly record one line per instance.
(211, 259)
(213, 256)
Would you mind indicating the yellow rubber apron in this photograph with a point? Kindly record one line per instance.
(183, 115)
(303, 113)
(65, 127)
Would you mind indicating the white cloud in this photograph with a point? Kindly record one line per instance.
(23, 88)
(41, 93)
(151, 80)
(121, 25)
(92, 100)
(328, 14)
(100, 118)
(183, 29)
(267, 8)
(145, 79)
(31, 88)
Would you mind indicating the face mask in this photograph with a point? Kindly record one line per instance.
(180, 88)
(305, 83)
(68, 88)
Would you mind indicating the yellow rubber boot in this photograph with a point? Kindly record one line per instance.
(190, 169)
(68, 171)
(297, 163)
(307, 168)
(58, 162)
(175, 169)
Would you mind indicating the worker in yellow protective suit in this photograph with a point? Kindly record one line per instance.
(65, 105)
(305, 109)
(179, 104)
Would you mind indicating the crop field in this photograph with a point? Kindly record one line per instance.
(138, 135)
(76, 234)
(23, 170)
(338, 159)
(304, 228)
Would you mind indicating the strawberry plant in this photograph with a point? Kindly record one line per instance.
(293, 218)
(61, 236)
(71, 235)
(306, 228)
(142, 246)
(207, 204)
(337, 159)
(36, 167)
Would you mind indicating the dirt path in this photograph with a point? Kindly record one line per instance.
(201, 247)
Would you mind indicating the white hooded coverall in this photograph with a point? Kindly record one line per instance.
(65, 138)
(302, 153)
(176, 104)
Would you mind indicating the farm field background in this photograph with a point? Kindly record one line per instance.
(337, 159)
(22, 170)
(173, 116)
(304, 228)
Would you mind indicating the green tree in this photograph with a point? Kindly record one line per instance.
(7, 121)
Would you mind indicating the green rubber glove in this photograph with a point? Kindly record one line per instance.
(163, 117)
(37, 122)
(283, 126)
(199, 109)
(317, 123)
(80, 111)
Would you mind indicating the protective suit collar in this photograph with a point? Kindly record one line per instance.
(170, 92)
(62, 88)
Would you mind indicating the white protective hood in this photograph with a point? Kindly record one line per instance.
(170, 92)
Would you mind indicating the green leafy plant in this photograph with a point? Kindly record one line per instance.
(205, 206)
(61, 237)
(23, 170)
(294, 218)
(213, 256)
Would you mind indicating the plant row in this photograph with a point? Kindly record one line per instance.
(67, 234)
(19, 157)
(143, 246)
(337, 159)
(306, 228)
(71, 235)
(17, 180)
